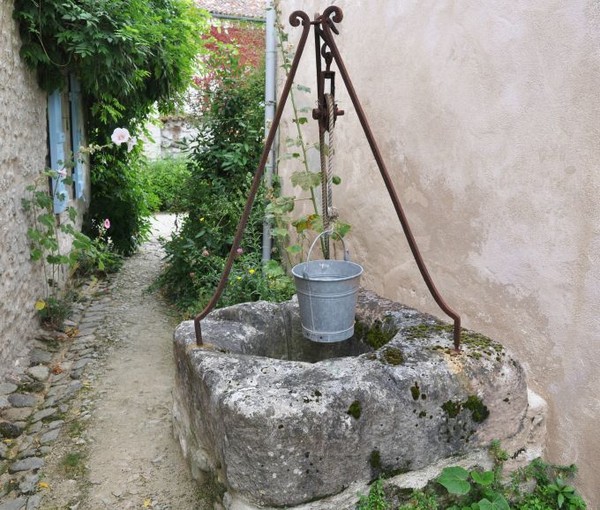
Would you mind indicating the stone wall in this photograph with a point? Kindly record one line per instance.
(487, 116)
(168, 136)
(22, 157)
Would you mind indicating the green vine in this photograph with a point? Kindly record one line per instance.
(296, 148)
(129, 55)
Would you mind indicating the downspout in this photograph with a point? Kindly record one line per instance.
(270, 102)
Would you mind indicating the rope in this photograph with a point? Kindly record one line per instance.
(324, 205)
(328, 212)
(331, 212)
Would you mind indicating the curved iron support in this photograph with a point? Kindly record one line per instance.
(324, 26)
(327, 23)
(296, 18)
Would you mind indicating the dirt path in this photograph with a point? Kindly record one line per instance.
(120, 428)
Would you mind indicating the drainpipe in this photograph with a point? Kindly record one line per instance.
(270, 101)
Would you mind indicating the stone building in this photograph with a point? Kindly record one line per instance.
(487, 116)
(37, 131)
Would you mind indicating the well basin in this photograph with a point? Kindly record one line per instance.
(282, 421)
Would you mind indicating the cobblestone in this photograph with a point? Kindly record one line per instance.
(44, 413)
(15, 504)
(28, 464)
(23, 400)
(6, 388)
(39, 372)
(41, 392)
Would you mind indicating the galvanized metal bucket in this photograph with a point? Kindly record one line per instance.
(327, 292)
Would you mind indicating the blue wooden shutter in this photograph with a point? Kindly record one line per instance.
(77, 136)
(56, 136)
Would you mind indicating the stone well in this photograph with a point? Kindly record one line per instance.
(284, 422)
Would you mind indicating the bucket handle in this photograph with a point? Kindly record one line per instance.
(330, 232)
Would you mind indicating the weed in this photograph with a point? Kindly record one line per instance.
(76, 428)
(73, 464)
(538, 486)
(375, 500)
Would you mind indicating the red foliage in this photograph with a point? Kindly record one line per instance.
(231, 48)
(248, 39)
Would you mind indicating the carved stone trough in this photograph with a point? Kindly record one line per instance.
(284, 422)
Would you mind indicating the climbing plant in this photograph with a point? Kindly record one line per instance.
(296, 151)
(129, 55)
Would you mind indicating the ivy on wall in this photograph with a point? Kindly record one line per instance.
(128, 56)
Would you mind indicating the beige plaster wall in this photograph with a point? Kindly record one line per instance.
(488, 116)
(23, 150)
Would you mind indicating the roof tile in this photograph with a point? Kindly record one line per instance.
(246, 8)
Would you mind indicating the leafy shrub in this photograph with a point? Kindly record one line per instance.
(120, 195)
(165, 181)
(222, 162)
(102, 260)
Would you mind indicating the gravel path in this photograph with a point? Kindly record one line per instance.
(113, 447)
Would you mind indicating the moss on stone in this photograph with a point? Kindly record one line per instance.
(392, 356)
(375, 460)
(452, 408)
(378, 470)
(415, 391)
(478, 344)
(355, 410)
(479, 412)
(31, 387)
(377, 334)
(421, 331)
(391, 473)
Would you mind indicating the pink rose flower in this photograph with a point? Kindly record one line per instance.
(106, 223)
